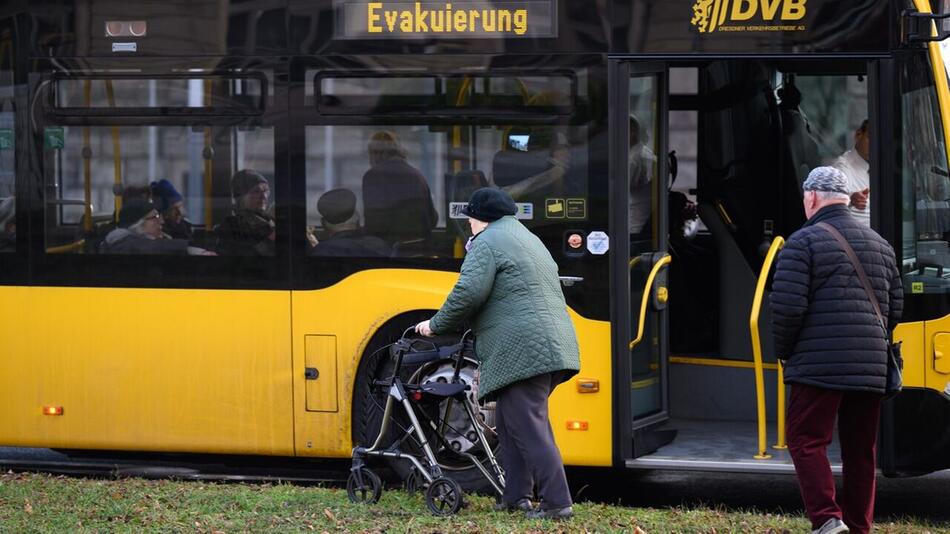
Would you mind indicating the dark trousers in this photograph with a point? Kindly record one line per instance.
(527, 451)
(811, 419)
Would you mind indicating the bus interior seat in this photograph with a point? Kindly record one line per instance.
(511, 166)
(736, 278)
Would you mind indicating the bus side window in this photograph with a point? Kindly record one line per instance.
(374, 191)
(925, 211)
(118, 186)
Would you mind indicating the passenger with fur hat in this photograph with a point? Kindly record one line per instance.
(341, 221)
(8, 224)
(525, 343)
(250, 230)
(171, 205)
(139, 231)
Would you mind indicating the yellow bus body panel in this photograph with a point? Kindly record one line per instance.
(147, 369)
(911, 337)
(937, 368)
(355, 308)
(223, 371)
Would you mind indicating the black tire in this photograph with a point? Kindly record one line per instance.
(444, 497)
(366, 493)
(414, 482)
(367, 417)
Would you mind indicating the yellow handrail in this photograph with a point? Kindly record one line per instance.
(69, 247)
(780, 422)
(777, 244)
(207, 154)
(116, 153)
(646, 297)
(87, 163)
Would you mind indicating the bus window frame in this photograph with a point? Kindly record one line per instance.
(159, 111)
(431, 105)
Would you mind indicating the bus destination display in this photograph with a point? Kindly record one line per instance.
(446, 20)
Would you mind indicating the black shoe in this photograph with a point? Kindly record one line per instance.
(558, 514)
(523, 505)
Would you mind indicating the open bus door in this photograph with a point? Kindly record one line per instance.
(639, 168)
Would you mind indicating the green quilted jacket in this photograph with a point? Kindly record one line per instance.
(509, 288)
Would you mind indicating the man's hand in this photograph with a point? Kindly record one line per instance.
(423, 328)
(859, 199)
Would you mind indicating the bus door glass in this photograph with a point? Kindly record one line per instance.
(640, 139)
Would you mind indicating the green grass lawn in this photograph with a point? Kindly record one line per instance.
(40, 503)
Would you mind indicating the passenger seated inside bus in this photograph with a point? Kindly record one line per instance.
(250, 229)
(140, 232)
(172, 207)
(341, 222)
(8, 224)
(396, 198)
(103, 224)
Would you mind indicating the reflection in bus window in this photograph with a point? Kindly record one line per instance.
(8, 224)
(925, 212)
(821, 116)
(409, 182)
(184, 174)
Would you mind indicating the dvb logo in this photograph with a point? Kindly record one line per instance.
(711, 15)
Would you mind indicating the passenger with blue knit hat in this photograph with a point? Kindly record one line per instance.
(171, 205)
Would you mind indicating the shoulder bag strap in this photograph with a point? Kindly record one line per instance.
(860, 270)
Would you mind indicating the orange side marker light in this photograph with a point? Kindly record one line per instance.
(588, 385)
(52, 410)
(577, 425)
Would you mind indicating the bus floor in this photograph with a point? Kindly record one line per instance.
(703, 445)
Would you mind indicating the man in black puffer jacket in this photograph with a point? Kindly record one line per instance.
(835, 351)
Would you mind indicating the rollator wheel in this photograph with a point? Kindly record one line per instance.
(415, 482)
(368, 492)
(444, 497)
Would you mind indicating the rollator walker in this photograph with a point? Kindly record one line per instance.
(428, 408)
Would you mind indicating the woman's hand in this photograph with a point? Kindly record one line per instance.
(423, 328)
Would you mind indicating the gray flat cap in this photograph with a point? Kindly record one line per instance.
(827, 179)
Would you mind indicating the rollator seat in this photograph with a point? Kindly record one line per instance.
(442, 390)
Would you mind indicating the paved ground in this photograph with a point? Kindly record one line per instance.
(920, 497)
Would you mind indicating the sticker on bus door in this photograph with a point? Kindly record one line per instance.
(598, 243)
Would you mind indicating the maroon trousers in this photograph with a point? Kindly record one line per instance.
(811, 418)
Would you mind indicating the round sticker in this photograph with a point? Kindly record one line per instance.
(575, 241)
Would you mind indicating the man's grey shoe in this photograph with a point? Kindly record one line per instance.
(832, 526)
(558, 514)
(523, 505)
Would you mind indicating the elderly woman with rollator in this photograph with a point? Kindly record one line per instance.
(525, 343)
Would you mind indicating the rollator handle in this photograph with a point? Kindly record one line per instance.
(420, 357)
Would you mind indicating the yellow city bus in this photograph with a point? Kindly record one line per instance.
(656, 147)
